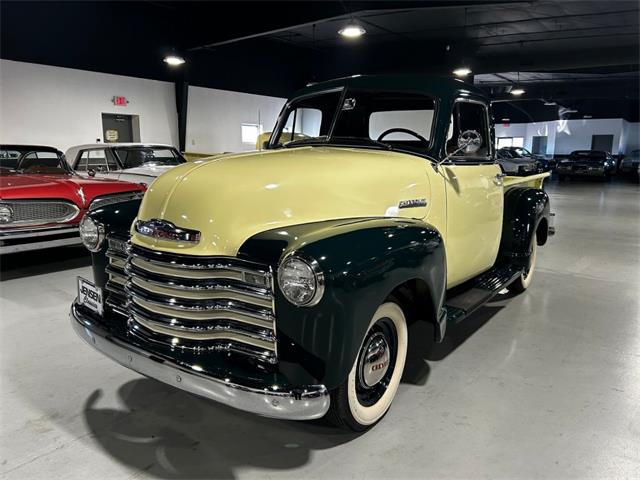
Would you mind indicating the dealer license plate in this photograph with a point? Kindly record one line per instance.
(89, 295)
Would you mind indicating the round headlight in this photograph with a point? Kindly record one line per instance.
(6, 214)
(91, 234)
(301, 281)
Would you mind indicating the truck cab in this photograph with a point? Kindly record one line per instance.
(282, 282)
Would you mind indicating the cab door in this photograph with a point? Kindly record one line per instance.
(473, 184)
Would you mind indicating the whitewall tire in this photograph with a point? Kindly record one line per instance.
(365, 397)
(525, 279)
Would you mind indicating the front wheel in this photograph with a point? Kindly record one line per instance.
(366, 395)
(520, 284)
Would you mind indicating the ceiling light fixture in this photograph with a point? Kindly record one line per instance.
(352, 31)
(517, 91)
(174, 60)
(462, 72)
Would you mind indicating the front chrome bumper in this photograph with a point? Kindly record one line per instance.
(303, 403)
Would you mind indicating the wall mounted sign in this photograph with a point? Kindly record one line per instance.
(111, 135)
(120, 101)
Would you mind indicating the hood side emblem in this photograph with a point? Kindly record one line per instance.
(164, 230)
(413, 203)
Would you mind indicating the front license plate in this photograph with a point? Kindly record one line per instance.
(89, 295)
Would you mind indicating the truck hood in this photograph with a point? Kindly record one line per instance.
(231, 198)
(81, 191)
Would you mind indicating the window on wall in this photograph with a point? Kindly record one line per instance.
(250, 133)
(502, 142)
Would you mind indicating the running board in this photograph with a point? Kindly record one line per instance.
(481, 289)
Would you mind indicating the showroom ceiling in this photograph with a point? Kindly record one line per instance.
(275, 47)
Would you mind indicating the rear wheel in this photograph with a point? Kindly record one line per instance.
(366, 395)
(524, 280)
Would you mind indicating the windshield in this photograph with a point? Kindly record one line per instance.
(132, 157)
(521, 152)
(30, 160)
(387, 120)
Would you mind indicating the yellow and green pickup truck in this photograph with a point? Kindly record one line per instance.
(282, 282)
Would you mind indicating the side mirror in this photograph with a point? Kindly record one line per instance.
(265, 145)
(91, 172)
(469, 141)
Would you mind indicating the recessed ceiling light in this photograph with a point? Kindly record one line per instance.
(352, 31)
(173, 60)
(462, 72)
(517, 91)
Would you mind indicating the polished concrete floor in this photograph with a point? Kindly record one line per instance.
(543, 385)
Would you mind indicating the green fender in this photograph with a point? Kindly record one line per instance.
(116, 218)
(363, 261)
(525, 209)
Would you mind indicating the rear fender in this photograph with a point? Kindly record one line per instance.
(524, 210)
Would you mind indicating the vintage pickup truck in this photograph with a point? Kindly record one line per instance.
(282, 282)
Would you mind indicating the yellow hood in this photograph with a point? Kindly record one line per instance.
(231, 198)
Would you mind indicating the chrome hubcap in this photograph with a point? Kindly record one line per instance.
(374, 361)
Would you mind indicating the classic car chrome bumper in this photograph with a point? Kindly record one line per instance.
(304, 403)
(27, 239)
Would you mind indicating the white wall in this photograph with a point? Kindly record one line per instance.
(633, 137)
(214, 118)
(564, 136)
(61, 107)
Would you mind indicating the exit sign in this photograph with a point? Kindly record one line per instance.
(120, 101)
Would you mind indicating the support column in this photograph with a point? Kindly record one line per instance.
(182, 99)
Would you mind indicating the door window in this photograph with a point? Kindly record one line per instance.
(112, 164)
(81, 166)
(470, 119)
(97, 161)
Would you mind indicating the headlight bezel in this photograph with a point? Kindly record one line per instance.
(100, 234)
(314, 268)
(9, 218)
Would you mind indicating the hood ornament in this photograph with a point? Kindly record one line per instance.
(164, 230)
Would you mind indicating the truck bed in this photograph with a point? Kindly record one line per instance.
(535, 181)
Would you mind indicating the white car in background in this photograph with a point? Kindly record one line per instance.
(131, 162)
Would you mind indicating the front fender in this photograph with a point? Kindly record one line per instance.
(363, 261)
(524, 209)
(116, 218)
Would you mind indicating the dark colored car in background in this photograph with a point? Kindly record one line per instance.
(630, 164)
(587, 163)
(42, 200)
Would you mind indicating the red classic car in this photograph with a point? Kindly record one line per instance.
(42, 200)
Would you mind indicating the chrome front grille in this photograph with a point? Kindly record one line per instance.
(117, 252)
(38, 212)
(196, 303)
